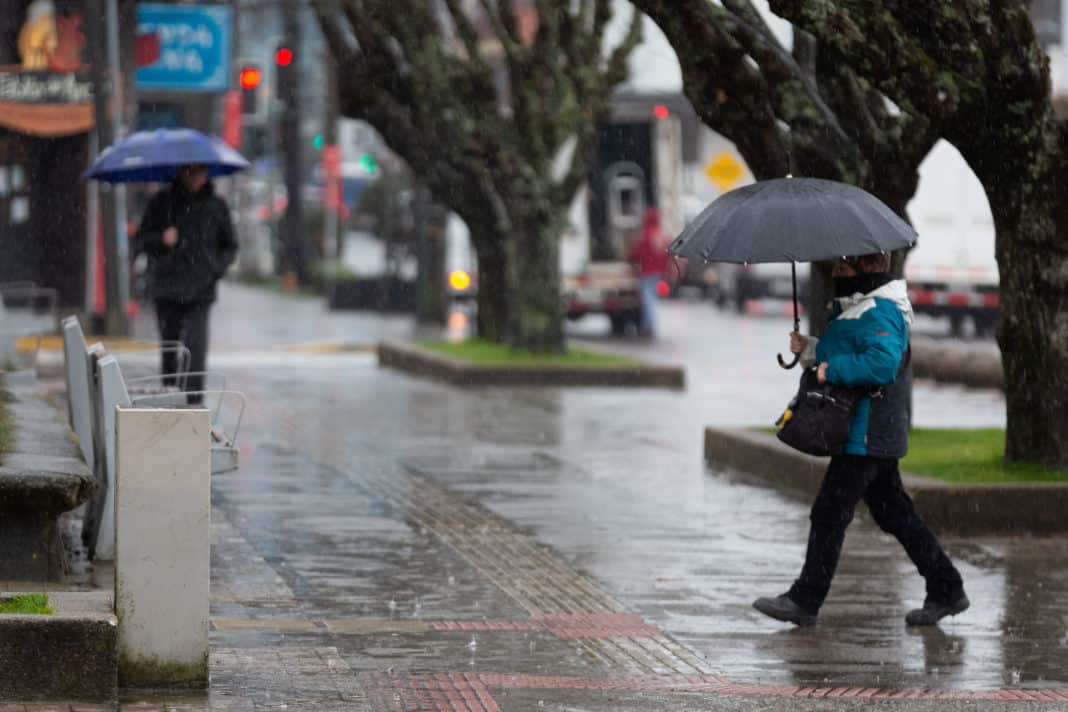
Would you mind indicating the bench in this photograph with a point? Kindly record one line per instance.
(94, 398)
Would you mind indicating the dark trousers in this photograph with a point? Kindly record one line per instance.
(849, 479)
(188, 323)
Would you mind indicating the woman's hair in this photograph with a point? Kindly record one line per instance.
(868, 264)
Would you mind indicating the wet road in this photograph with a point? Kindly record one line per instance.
(392, 543)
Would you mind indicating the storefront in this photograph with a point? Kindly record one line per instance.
(45, 116)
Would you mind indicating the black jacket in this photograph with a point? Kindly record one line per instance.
(206, 246)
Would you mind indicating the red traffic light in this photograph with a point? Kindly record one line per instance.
(283, 57)
(250, 78)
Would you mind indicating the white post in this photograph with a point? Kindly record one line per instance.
(162, 562)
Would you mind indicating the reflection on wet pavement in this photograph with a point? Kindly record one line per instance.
(374, 515)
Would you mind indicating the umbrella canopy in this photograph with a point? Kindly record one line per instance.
(792, 220)
(155, 156)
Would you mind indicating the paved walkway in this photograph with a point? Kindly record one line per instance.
(395, 544)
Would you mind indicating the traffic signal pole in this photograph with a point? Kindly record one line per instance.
(102, 31)
(287, 61)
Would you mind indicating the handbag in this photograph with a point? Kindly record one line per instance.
(818, 418)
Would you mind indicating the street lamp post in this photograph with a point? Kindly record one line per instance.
(102, 30)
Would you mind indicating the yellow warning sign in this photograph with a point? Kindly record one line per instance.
(724, 170)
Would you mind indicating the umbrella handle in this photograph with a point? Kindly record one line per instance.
(797, 320)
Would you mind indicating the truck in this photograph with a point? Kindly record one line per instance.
(636, 166)
(952, 272)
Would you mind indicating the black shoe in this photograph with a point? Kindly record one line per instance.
(782, 608)
(932, 611)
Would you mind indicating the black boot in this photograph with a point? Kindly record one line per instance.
(933, 611)
(783, 608)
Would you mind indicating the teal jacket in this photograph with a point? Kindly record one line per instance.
(864, 345)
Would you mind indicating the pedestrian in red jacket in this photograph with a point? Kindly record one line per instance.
(650, 255)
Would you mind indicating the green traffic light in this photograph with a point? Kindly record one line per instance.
(367, 163)
(317, 142)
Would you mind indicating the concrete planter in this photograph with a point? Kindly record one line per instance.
(994, 509)
(950, 365)
(386, 294)
(41, 478)
(423, 362)
(69, 656)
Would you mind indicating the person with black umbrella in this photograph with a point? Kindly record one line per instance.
(865, 346)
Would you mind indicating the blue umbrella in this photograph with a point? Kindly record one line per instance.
(155, 156)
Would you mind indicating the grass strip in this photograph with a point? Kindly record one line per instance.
(26, 604)
(487, 353)
(967, 456)
(970, 456)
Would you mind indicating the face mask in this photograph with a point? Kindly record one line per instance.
(860, 283)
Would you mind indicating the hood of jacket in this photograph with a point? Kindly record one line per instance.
(896, 291)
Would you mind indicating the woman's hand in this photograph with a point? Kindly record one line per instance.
(797, 342)
(821, 373)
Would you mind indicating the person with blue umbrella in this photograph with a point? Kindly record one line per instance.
(186, 231)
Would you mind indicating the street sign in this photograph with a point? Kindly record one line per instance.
(724, 170)
(194, 47)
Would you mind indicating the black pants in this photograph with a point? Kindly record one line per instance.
(188, 323)
(849, 479)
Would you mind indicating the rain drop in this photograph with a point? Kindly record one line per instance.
(452, 580)
(1015, 677)
(392, 605)
(473, 645)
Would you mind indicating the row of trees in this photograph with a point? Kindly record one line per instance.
(495, 103)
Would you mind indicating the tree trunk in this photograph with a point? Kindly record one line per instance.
(538, 311)
(493, 290)
(1033, 328)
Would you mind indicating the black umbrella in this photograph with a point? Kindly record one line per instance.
(792, 220)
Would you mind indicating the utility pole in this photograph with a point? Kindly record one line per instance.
(291, 148)
(102, 34)
(332, 178)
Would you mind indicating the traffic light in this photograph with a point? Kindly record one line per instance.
(368, 164)
(249, 79)
(285, 75)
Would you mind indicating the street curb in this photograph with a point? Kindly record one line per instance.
(69, 655)
(949, 365)
(423, 362)
(974, 510)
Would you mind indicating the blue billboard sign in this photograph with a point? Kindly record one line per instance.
(183, 47)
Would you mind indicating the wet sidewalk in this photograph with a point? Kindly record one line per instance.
(395, 544)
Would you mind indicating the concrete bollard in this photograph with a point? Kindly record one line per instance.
(163, 545)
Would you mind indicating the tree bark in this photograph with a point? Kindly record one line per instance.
(1033, 328)
(492, 321)
(538, 325)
